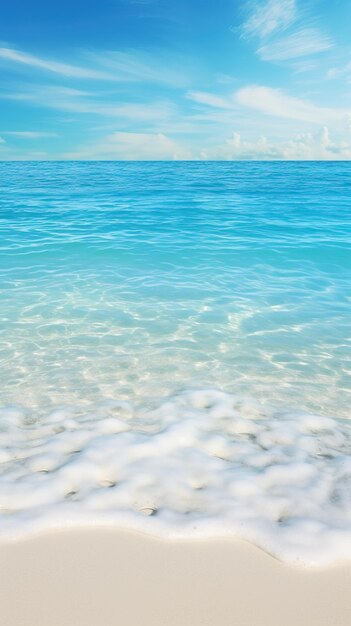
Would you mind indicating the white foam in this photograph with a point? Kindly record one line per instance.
(198, 464)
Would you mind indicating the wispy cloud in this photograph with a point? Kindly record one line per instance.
(115, 66)
(267, 100)
(132, 66)
(209, 99)
(28, 134)
(268, 17)
(343, 71)
(286, 30)
(76, 101)
(301, 66)
(64, 69)
(276, 103)
(304, 42)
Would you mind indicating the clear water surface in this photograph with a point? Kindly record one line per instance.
(138, 279)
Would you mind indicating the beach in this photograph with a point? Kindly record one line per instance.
(111, 577)
(175, 313)
(175, 435)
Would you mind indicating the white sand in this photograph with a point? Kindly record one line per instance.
(117, 578)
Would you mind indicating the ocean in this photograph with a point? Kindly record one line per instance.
(175, 351)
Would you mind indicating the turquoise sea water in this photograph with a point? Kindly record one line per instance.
(139, 279)
(127, 286)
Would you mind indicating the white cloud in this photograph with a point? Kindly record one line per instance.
(76, 101)
(321, 145)
(132, 66)
(306, 147)
(268, 17)
(304, 42)
(47, 94)
(65, 69)
(134, 146)
(151, 146)
(208, 99)
(342, 71)
(244, 107)
(305, 65)
(28, 134)
(276, 103)
(117, 66)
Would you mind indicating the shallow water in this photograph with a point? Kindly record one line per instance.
(132, 285)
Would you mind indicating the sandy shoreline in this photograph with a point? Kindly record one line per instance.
(110, 578)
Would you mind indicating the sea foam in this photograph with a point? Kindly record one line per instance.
(202, 463)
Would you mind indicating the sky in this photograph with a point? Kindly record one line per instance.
(162, 80)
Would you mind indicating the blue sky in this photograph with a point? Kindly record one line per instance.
(195, 79)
